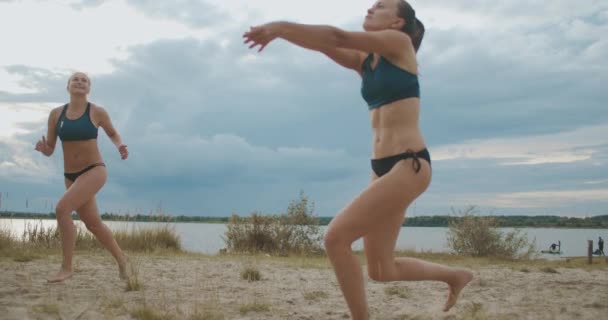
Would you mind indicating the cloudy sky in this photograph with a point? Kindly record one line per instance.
(513, 105)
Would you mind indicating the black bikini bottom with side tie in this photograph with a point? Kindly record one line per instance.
(383, 165)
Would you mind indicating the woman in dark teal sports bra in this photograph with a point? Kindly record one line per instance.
(76, 124)
(384, 55)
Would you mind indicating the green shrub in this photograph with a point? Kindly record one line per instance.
(479, 236)
(294, 232)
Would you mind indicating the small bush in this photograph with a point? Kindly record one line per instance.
(251, 274)
(401, 292)
(295, 232)
(479, 237)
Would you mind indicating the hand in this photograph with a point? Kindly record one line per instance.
(262, 35)
(124, 153)
(42, 146)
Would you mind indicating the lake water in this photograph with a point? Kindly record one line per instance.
(207, 237)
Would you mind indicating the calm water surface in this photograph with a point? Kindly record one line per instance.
(207, 237)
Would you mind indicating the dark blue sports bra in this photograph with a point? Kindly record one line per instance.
(76, 130)
(386, 83)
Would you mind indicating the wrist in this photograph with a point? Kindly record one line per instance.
(281, 28)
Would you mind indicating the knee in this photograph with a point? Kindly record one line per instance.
(333, 240)
(62, 211)
(94, 227)
(380, 272)
(375, 274)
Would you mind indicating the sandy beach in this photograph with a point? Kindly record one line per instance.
(187, 286)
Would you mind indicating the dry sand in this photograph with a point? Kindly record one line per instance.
(180, 286)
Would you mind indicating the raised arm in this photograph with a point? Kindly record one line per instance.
(389, 43)
(46, 145)
(106, 123)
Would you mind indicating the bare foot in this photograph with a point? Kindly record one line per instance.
(60, 276)
(123, 268)
(462, 278)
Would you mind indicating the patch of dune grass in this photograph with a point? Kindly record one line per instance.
(315, 295)
(254, 307)
(38, 239)
(401, 292)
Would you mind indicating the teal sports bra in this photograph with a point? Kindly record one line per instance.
(386, 83)
(76, 130)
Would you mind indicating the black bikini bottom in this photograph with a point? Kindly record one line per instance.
(383, 165)
(74, 175)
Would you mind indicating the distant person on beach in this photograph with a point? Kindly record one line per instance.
(384, 55)
(553, 247)
(76, 123)
(600, 246)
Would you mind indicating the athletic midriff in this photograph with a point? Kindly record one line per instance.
(78, 155)
(395, 128)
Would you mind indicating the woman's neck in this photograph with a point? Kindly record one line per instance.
(78, 102)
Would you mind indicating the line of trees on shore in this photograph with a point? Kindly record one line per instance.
(543, 221)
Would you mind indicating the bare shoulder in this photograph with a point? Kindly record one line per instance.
(98, 110)
(55, 113)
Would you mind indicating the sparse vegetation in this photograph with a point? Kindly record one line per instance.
(295, 232)
(133, 283)
(401, 292)
(51, 309)
(149, 239)
(6, 240)
(548, 270)
(254, 307)
(36, 238)
(147, 313)
(476, 236)
(315, 295)
(208, 314)
(251, 274)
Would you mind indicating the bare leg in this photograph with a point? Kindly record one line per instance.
(384, 197)
(78, 193)
(68, 241)
(384, 267)
(89, 214)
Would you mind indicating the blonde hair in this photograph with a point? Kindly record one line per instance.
(73, 74)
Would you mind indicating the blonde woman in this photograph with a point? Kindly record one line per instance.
(76, 124)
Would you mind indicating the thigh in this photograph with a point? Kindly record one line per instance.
(89, 213)
(379, 244)
(382, 203)
(82, 190)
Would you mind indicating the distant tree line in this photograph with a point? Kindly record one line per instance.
(544, 221)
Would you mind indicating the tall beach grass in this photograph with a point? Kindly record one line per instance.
(40, 239)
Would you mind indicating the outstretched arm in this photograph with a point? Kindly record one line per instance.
(106, 123)
(46, 145)
(390, 43)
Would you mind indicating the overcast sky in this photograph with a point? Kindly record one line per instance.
(513, 105)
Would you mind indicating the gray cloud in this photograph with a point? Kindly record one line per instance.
(214, 128)
(84, 4)
(198, 14)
